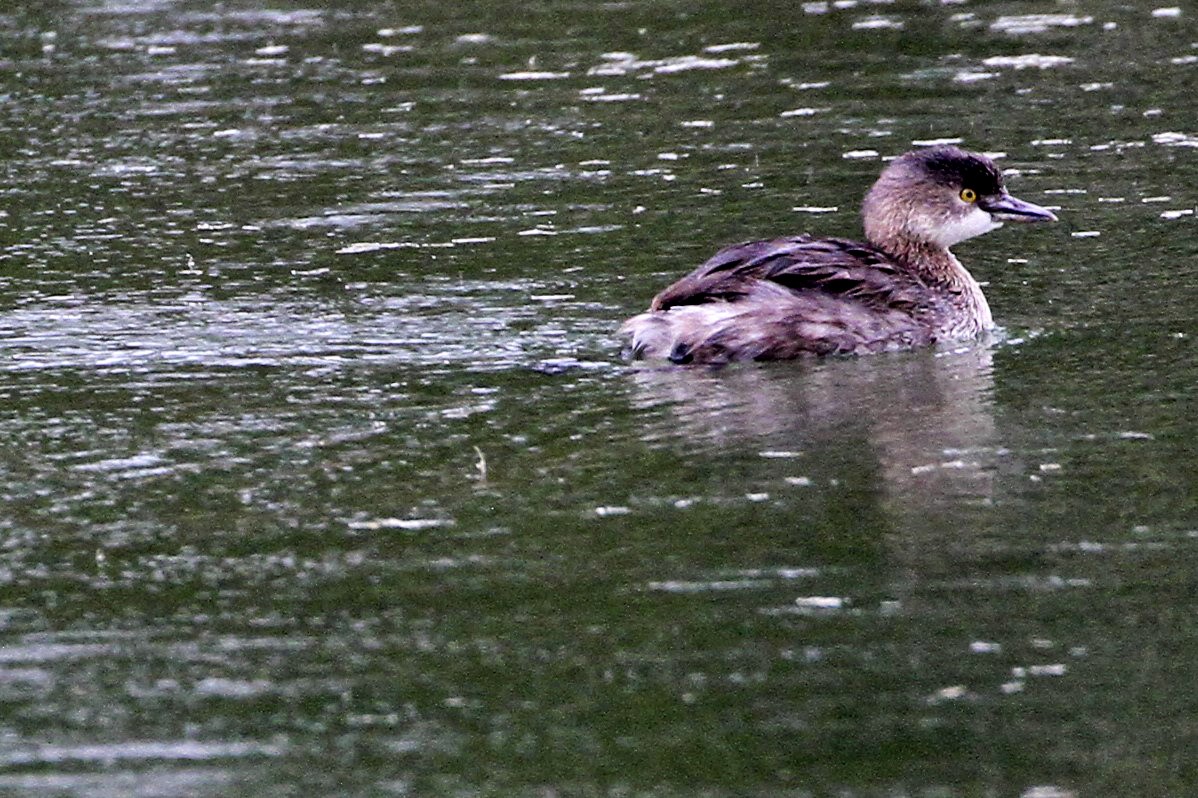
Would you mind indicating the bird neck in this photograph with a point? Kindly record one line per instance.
(939, 268)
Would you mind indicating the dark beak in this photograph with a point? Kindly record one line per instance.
(1005, 208)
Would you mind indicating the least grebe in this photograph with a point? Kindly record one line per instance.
(790, 297)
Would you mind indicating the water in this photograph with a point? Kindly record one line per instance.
(322, 472)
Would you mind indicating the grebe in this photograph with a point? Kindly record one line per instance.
(791, 297)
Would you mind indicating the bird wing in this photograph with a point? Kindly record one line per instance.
(828, 266)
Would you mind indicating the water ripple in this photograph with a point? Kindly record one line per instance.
(150, 750)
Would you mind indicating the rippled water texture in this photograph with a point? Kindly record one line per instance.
(322, 473)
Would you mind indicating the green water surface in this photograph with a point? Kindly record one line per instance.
(321, 472)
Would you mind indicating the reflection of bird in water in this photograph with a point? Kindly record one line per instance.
(791, 297)
(922, 419)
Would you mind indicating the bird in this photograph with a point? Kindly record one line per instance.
(802, 296)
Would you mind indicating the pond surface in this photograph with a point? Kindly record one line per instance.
(322, 472)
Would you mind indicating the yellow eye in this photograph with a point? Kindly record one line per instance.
(969, 195)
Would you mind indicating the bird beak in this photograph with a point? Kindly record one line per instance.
(1005, 208)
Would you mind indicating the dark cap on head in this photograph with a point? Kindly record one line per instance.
(953, 166)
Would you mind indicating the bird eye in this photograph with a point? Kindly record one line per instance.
(969, 195)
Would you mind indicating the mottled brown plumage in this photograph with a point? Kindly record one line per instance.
(789, 297)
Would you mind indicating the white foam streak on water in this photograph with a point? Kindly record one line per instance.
(729, 47)
(1029, 61)
(878, 23)
(533, 75)
(177, 750)
(181, 781)
(971, 76)
(682, 586)
(616, 64)
(1037, 23)
(54, 652)
(1175, 139)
